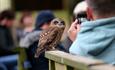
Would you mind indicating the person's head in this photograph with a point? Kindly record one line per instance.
(7, 18)
(100, 8)
(43, 19)
(26, 19)
(80, 10)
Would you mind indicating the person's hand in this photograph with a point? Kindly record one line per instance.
(73, 30)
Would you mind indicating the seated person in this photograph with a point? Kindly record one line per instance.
(25, 25)
(6, 21)
(7, 56)
(96, 38)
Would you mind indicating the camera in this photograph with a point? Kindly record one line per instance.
(81, 17)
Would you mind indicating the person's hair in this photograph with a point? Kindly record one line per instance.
(102, 6)
(44, 17)
(7, 14)
(24, 15)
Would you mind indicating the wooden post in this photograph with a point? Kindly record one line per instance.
(59, 66)
(5, 4)
(51, 65)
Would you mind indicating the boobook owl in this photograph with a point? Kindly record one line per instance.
(50, 38)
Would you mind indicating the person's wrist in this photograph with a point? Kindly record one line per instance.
(72, 34)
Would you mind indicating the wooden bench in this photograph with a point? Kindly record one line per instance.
(59, 60)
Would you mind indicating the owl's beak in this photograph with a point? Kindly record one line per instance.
(60, 24)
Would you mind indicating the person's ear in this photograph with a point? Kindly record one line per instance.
(89, 14)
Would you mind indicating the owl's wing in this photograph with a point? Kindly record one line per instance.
(46, 38)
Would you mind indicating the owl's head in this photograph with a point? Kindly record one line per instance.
(57, 22)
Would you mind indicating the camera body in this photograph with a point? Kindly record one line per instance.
(81, 17)
(81, 20)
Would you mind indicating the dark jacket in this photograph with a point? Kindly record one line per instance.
(6, 41)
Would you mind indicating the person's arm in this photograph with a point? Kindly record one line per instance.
(72, 32)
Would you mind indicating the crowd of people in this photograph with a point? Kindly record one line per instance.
(91, 34)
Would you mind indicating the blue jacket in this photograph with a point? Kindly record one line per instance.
(96, 39)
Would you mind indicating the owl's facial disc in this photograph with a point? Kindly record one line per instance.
(61, 24)
(58, 23)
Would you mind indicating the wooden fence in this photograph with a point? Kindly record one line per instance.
(63, 61)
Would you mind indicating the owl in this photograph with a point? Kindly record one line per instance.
(50, 38)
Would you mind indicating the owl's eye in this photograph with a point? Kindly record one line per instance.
(63, 23)
(55, 22)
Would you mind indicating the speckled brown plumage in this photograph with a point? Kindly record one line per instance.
(51, 37)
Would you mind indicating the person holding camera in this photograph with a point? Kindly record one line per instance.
(79, 16)
(96, 38)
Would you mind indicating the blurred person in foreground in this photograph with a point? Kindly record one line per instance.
(31, 40)
(96, 37)
(7, 56)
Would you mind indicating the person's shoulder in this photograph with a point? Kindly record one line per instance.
(33, 34)
(30, 38)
